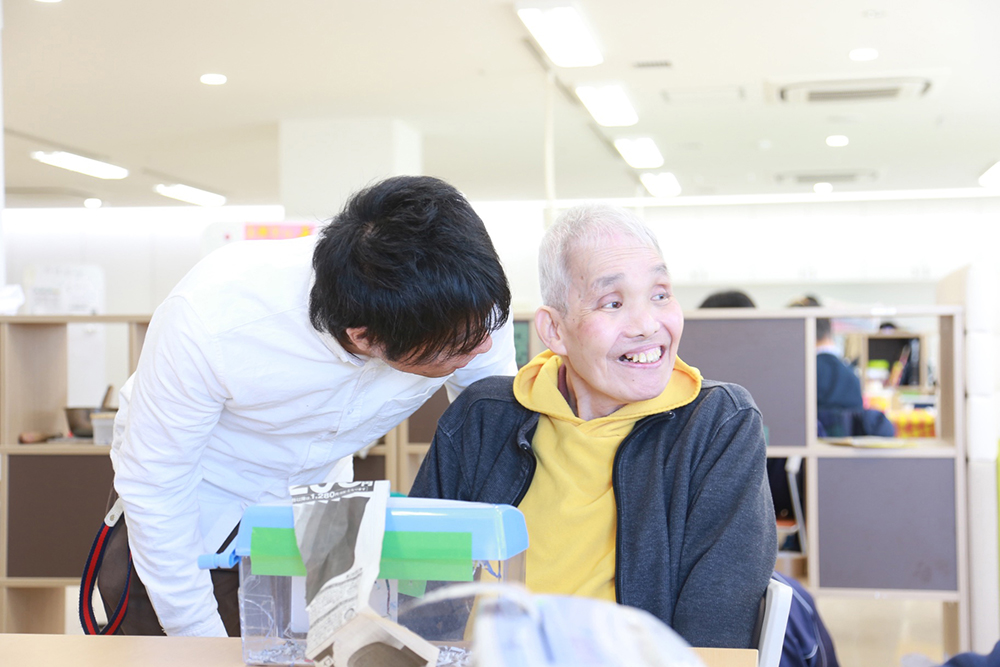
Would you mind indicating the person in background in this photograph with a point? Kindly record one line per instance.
(272, 362)
(640, 481)
(728, 299)
(839, 403)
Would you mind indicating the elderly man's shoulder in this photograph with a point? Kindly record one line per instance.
(493, 388)
(726, 395)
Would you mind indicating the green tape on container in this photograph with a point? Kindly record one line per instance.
(423, 556)
(415, 589)
(274, 552)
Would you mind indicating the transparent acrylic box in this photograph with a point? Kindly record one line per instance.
(273, 618)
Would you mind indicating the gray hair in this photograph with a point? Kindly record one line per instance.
(576, 228)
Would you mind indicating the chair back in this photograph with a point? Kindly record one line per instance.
(777, 603)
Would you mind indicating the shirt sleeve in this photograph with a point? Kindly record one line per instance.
(730, 541)
(499, 360)
(173, 403)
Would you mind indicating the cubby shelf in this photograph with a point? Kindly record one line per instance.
(875, 517)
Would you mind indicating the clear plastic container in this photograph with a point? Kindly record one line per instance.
(104, 427)
(420, 542)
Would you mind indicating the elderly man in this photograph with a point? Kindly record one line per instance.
(640, 481)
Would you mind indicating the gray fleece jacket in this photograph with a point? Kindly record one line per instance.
(696, 538)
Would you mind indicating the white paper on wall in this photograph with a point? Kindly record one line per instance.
(74, 289)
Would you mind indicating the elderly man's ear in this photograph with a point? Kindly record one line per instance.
(550, 327)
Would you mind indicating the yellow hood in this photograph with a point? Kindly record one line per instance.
(536, 387)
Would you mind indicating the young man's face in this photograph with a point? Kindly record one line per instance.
(441, 366)
(620, 333)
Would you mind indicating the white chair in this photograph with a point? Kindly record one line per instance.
(777, 603)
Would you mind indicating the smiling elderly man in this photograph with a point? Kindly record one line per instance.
(640, 481)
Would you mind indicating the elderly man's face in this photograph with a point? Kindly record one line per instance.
(620, 333)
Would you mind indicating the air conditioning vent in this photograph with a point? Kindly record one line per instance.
(858, 90)
(834, 177)
(652, 64)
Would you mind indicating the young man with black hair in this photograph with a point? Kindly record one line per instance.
(272, 362)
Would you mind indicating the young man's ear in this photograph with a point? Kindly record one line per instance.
(359, 340)
(549, 325)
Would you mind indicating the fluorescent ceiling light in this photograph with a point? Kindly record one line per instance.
(991, 177)
(80, 164)
(837, 140)
(823, 188)
(562, 34)
(213, 79)
(861, 55)
(190, 195)
(640, 153)
(92, 202)
(661, 185)
(609, 105)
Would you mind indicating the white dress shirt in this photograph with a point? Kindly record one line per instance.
(235, 398)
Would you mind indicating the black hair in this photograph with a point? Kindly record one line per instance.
(728, 299)
(409, 260)
(824, 327)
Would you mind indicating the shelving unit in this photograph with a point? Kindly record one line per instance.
(52, 496)
(882, 522)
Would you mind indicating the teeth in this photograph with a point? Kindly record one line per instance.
(644, 357)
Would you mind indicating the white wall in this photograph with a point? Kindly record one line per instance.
(850, 252)
(846, 253)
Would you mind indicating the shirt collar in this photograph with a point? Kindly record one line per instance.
(338, 350)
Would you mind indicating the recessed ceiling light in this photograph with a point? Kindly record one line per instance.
(80, 164)
(213, 79)
(991, 177)
(823, 188)
(49, 1)
(190, 195)
(609, 105)
(863, 54)
(837, 140)
(92, 202)
(640, 153)
(562, 34)
(663, 184)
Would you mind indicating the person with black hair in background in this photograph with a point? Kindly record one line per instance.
(728, 299)
(272, 362)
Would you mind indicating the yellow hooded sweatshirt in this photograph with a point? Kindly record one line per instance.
(570, 506)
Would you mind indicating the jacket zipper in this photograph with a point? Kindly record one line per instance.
(525, 450)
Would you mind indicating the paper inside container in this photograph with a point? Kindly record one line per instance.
(339, 530)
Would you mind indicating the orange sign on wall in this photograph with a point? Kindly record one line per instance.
(274, 230)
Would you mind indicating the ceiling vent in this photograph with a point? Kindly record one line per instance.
(824, 176)
(857, 90)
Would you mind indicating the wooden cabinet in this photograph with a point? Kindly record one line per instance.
(52, 496)
(880, 522)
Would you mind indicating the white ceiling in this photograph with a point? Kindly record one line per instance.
(118, 80)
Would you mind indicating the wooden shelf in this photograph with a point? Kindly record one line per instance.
(52, 495)
(920, 448)
(56, 449)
